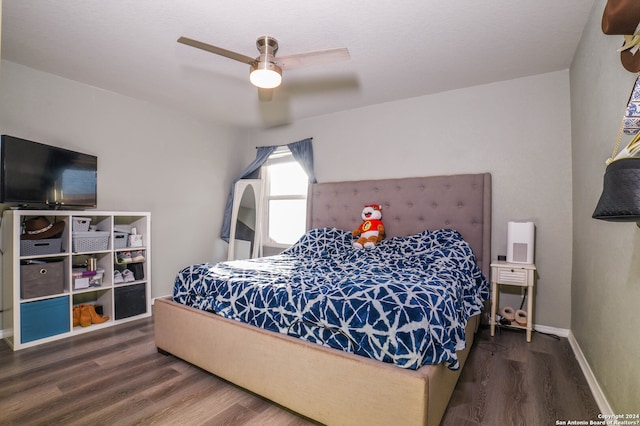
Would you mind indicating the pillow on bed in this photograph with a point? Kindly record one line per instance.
(321, 242)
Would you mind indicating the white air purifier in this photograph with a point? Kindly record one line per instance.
(520, 241)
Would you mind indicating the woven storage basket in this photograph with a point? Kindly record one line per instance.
(80, 224)
(90, 241)
(40, 247)
(120, 239)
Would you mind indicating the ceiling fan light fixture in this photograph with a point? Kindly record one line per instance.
(265, 71)
(265, 75)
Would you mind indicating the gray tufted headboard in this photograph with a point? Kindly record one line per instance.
(411, 205)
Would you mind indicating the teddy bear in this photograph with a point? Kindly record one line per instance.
(371, 231)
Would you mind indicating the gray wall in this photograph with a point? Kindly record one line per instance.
(149, 159)
(606, 256)
(518, 130)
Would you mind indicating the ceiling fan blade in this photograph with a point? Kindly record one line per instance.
(265, 95)
(317, 57)
(217, 50)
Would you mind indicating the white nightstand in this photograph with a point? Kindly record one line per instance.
(515, 274)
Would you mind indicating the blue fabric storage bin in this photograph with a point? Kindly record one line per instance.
(44, 318)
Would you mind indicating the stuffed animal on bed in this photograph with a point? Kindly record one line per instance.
(371, 231)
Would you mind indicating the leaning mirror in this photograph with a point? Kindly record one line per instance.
(244, 237)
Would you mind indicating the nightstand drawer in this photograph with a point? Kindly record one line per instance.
(512, 276)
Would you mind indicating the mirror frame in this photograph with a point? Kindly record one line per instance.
(239, 190)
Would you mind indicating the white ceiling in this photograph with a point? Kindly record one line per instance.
(399, 48)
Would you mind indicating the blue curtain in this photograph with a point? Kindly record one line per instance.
(250, 172)
(302, 152)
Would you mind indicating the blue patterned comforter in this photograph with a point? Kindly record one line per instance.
(406, 301)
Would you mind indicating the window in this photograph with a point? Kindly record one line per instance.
(285, 199)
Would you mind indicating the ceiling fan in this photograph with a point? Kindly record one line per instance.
(265, 70)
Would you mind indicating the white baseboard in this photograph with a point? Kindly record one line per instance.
(560, 332)
(596, 390)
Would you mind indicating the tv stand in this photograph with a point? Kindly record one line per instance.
(50, 207)
(41, 284)
(46, 207)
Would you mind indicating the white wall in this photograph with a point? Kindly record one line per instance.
(518, 130)
(606, 256)
(149, 159)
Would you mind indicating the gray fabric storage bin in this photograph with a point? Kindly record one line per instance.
(41, 279)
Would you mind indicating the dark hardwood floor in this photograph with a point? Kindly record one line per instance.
(115, 376)
(507, 381)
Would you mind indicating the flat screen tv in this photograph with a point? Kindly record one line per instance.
(38, 175)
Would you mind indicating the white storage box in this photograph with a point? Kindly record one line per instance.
(82, 280)
(90, 241)
(135, 240)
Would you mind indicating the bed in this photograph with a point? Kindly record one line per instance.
(329, 385)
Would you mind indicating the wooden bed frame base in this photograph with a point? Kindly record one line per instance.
(324, 384)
